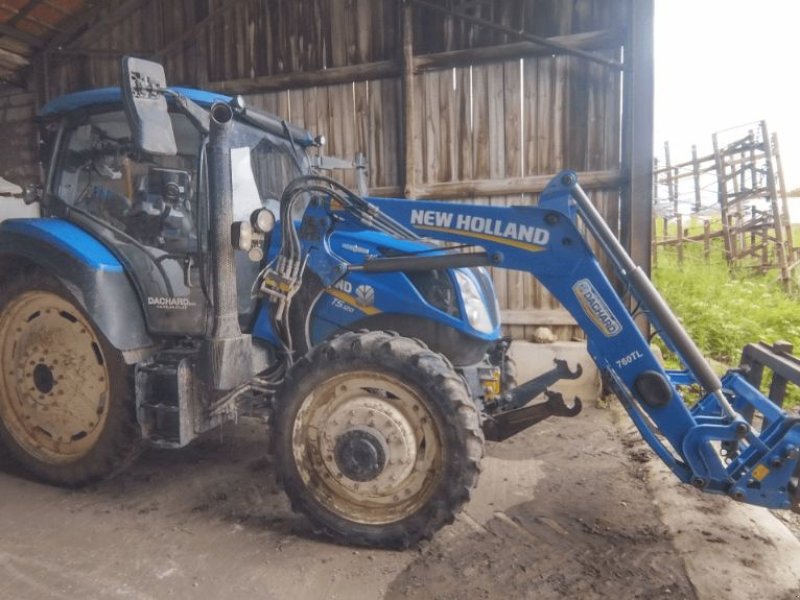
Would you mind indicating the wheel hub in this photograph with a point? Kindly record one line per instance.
(360, 455)
(43, 378)
(366, 445)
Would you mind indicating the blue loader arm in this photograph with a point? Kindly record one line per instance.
(545, 241)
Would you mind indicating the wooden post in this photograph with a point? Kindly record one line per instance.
(722, 198)
(780, 246)
(764, 245)
(741, 238)
(671, 195)
(679, 218)
(637, 134)
(654, 251)
(753, 172)
(790, 249)
(732, 234)
(409, 112)
(655, 182)
(707, 240)
(676, 179)
(696, 177)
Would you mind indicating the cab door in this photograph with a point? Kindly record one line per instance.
(144, 208)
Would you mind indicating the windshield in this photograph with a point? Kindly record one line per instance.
(262, 165)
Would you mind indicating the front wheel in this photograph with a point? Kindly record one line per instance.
(66, 396)
(376, 439)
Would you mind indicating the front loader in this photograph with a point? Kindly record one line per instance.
(194, 264)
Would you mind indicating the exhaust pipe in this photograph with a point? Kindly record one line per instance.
(226, 353)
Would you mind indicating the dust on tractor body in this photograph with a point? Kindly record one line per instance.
(194, 265)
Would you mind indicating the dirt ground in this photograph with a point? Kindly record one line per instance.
(562, 511)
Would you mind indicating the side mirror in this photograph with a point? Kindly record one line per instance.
(143, 87)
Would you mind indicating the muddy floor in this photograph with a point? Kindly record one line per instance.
(562, 511)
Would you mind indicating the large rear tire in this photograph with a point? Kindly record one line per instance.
(376, 439)
(67, 412)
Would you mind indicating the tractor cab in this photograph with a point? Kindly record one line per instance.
(149, 208)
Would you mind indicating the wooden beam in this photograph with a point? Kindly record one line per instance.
(303, 79)
(410, 145)
(94, 25)
(789, 234)
(23, 12)
(70, 29)
(458, 58)
(517, 33)
(15, 46)
(636, 205)
(20, 36)
(533, 184)
(424, 62)
(13, 60)
(111, 52)
(537, 317)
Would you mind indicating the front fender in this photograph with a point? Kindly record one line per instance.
(87, 269)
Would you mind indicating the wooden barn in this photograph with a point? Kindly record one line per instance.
(474, 100)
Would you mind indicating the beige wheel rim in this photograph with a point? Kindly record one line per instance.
(360, 413)
(55, 391)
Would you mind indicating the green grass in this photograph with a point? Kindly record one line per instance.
(724, 310)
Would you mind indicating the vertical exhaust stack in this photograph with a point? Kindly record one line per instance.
(226, 354)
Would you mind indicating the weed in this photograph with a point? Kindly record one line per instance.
(722, 309)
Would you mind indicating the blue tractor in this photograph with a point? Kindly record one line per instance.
(193, 264)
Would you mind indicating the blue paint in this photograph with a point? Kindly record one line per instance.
(113, 95)
(546, 242)
(394, 293)
(67, 237)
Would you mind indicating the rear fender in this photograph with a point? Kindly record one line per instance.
(86, 268)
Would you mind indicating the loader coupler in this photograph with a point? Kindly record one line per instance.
(760, 449)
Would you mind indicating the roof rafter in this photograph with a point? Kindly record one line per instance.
(23, 12)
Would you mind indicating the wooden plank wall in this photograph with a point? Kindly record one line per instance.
(512, 118)
(18, 152)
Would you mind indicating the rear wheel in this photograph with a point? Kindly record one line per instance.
(377, 439)
(66, 404)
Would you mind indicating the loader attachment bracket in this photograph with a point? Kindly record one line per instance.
(525, 392)
(502, 426)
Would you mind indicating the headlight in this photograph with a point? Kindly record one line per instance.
(474, 305)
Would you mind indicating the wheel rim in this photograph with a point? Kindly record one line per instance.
(367, 447)
(55, 388)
